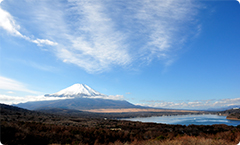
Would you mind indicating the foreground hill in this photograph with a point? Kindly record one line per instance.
(232, 114)
(21, 126)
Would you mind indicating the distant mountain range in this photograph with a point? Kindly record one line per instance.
(223, 108)
(81, 97)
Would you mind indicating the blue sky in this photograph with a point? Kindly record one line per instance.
(170, 54)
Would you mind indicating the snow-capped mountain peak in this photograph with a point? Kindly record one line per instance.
(77, 89)
(82, 91)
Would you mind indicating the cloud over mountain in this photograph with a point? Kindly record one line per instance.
(199, 104)
(72, 92)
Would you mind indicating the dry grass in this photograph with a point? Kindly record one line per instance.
(186, 140)
(134, 110)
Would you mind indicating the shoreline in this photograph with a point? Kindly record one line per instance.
(138, 110)
(143, 120)
(168, 115)
(233, 119)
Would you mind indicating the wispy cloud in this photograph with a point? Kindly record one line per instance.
(8, 23)
(6, 99)
(111, 97)
(10, 92)
(96, 44)
(163, 24)
(106, 36)
(13, 85)
(40, 42)
(200, 104)
(100, 35)
(11, 99)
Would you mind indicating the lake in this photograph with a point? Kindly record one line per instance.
(187, 120)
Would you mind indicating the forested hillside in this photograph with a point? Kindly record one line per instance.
(20, 126)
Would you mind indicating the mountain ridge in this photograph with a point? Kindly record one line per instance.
(79, 97)
(78, 104)
(76, 89)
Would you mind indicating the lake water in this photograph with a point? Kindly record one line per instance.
(187, 120)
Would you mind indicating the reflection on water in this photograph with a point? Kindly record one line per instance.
(187, 120)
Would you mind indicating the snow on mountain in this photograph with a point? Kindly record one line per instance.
(79, 96)
(77, 89)
(83, 91)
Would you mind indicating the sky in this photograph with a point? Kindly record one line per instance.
(181, 54)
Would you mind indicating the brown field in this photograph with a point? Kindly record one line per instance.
(134, 110)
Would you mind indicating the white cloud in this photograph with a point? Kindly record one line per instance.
(13, 85)
(238, 1)
(97, 45)
(10, 92)
(111, 97)
(99, 35)
(6, 99)
(162, 24)
(200, 104)
(8, 23)
(40, 42)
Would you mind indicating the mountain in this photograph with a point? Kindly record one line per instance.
(223, 108)
(76, 90)
(78, 104)
(80, 97)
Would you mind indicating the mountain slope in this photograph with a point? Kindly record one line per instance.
(80, 97)
(78, 104)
